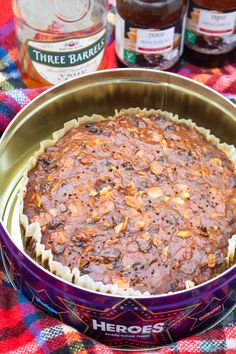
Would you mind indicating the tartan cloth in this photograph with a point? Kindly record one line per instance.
(26, 329)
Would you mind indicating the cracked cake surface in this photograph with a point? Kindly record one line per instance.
(138, 201)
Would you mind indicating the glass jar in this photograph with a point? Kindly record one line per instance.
(210, 34)
(149, 33)
(59, 39)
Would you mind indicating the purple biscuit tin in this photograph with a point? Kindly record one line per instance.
(120, 322)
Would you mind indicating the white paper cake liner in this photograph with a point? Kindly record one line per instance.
(32, 235)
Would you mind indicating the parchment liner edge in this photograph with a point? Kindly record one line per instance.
(32, 232)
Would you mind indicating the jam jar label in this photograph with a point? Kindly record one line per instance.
(210, 31)
(155, 41)
(150, 48)
(58, 61)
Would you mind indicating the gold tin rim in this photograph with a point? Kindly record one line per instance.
(178, 79)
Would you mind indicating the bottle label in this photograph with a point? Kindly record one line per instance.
(58, 61)
(210, 31)
(150, 48)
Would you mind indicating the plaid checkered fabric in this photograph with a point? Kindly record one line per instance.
(25, 329)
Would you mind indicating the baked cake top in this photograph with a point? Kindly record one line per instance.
(141, 202)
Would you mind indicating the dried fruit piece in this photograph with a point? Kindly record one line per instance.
(54, 223)
(211, 260)
(155, 192)
(184, 233)
(156, 168)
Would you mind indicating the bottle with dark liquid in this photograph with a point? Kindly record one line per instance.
(210, 36)
(150, 33)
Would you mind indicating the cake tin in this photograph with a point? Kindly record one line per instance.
(120, 322)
